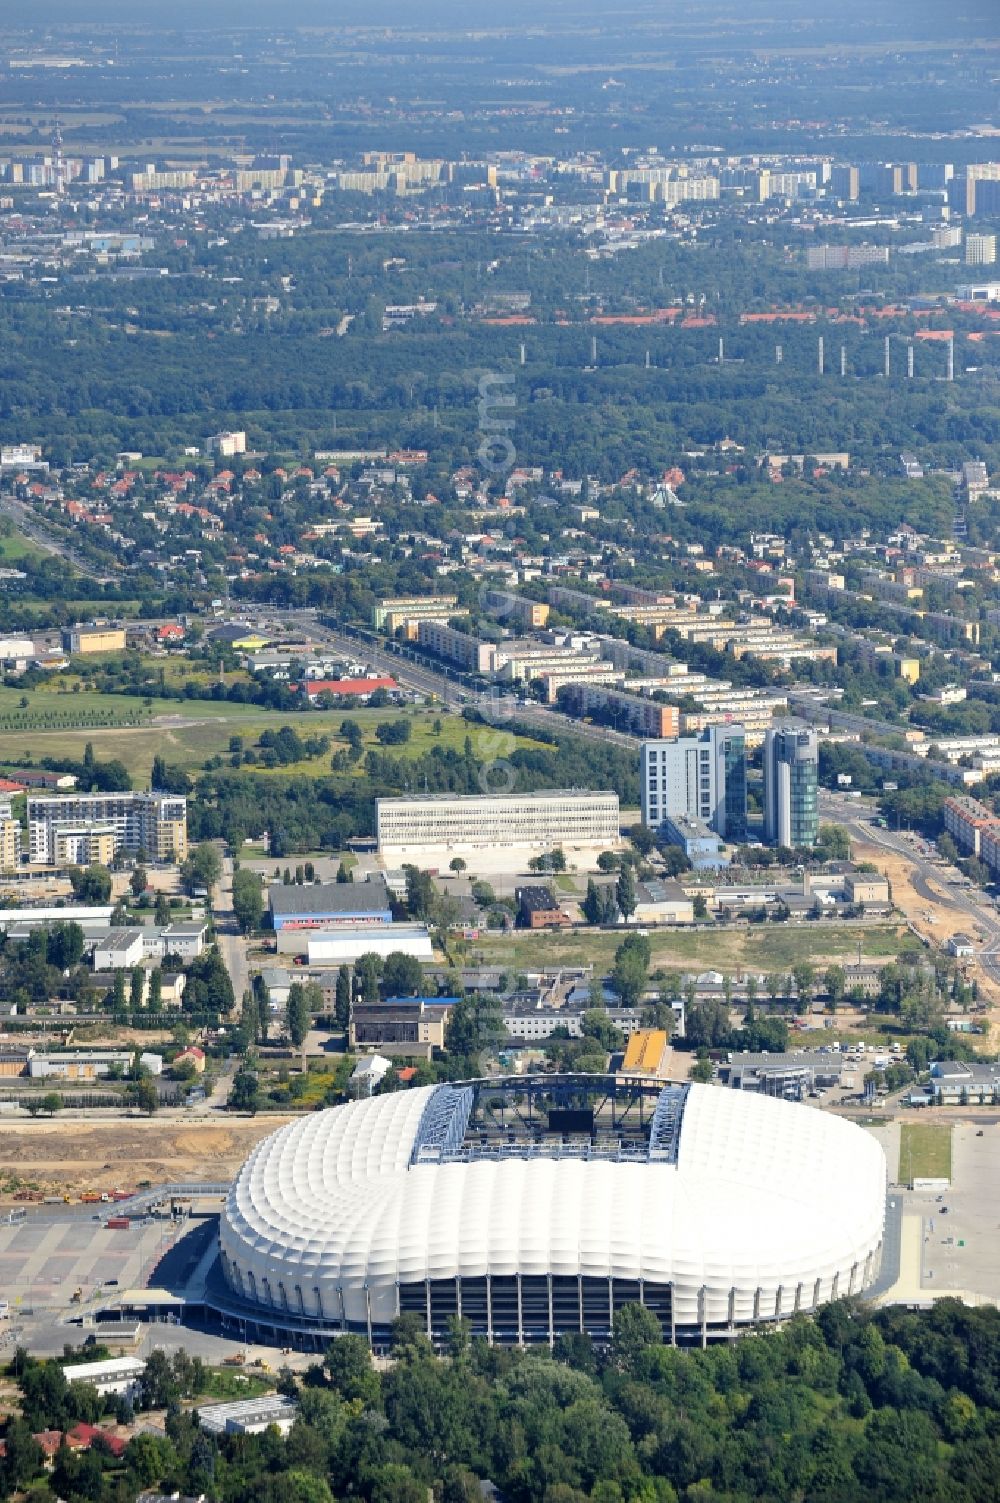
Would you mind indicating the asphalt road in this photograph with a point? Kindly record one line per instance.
(28, 523)
(929, 878)
(449, 686)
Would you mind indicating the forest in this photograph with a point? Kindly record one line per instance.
(890, 1406)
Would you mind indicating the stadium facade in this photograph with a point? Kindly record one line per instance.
(538, 1206)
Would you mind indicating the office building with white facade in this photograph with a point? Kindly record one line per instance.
(522, 821)
(697, 778)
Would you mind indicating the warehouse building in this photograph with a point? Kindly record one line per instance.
(328, 905)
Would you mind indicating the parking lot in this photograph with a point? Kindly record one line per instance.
(47, 1257)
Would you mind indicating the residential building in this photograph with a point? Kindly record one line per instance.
(537, 821)
(508, 606)
(226, 444)
(635, 713)
(10, 845)
(980, 250)
(155, 823)
(791, 770)
(966, 820)
(455, 646)
(390, 614)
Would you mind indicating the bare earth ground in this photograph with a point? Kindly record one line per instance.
(69, 1156)
(935, 921)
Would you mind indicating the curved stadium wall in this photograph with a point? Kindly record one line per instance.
(731, 1209)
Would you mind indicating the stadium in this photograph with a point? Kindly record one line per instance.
(538, 1206)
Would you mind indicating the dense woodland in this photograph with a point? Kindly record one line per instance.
(884, 1406)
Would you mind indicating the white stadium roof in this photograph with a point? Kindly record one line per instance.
(767, 1207)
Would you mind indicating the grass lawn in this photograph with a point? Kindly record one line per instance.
(33, 733)
(924, 1151)
(15, 546)
(760, 949)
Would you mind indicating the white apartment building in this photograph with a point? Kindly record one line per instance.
(456, 646)
(152, 822)
(226, 445)
(522, 821)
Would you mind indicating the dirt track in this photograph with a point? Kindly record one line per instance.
(71, 1155)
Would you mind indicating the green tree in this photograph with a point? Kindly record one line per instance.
(834, 982)
(630, 973)
(143, 1094)
(248, 900)
(634, 1329)
(342, 1006)
(92, 885)
(137, 987)
(243, 1095)
(138, 881)
(625, 895)
(348, 1364)
(202, 868)
(367, 974)
(402, 975)
(297, 1014)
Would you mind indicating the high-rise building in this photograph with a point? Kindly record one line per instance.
(82, 827)
(10, 842)
(980, 250)
(845, 182)
(702, 778)
(791, 781)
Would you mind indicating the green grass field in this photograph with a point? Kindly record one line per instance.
(775, 948)
(924, 1152)
(16, 546)
(32, 734)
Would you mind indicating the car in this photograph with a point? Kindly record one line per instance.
(944, 1210)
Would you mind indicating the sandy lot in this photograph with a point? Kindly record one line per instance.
(936, 921)
(72, 1155)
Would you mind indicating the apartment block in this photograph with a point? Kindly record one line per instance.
(390, 614)
(508, 606)
(10, 845)
(58, 826)
(966, 820)
(627, 712)
(980, 250)
(458, 647)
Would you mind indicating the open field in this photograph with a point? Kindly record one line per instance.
(189, 732)
(16, 546)
(774, 948)
(71, 1155)
(924, 1152)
